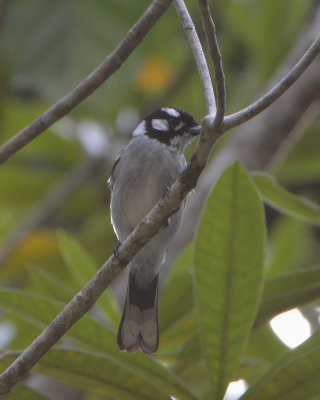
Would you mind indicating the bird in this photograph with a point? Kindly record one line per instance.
(142, 174)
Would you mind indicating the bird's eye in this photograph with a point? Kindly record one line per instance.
(179, 126)
(160, 125)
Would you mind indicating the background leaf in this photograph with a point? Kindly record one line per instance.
(22, 392)
(285, 201)
(96, 374)
(291, 245)
(82, 268)
(175, 301)
(92, 336)
(288, 291)
(229, 255)
(294, 376)
(45, 284)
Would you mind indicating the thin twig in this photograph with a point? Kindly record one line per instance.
(109, 65)
(272, 95)
(210, 31)
(195, 44)
(211, 126)
(212, 123)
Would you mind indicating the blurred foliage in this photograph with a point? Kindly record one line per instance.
(220, 333)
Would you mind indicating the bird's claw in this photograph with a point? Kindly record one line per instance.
(116, 250)
(166, 192)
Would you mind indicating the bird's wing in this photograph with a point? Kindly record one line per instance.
(110, 179)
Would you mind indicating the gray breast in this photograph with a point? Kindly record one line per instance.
(145, 170)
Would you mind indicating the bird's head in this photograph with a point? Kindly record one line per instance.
(170, 126)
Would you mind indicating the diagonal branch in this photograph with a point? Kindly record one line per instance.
(278, 90)
(195, 44)
(108, 66)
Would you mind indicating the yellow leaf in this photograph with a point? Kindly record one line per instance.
(40, 244)
(155, 75)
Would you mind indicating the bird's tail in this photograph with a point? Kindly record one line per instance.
(139, 323)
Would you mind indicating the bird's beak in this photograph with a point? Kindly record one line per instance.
(195, 130)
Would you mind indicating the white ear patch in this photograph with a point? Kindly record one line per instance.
(160, 125)
(179, 126)
(171, 111)
(140, 129)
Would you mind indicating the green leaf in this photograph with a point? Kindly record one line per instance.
(96, 374)
(22, 392)
(286, 202)
(175, 300)
(291, 244)
(274, 20)
(48, 285)
(80, 264)
(272, 347)
(229, 257)
(288, 291)
(83, 268)
(190, 353)
(294, 376)
(302, 164)
(291, 281)
(172, 340)
(92, 336)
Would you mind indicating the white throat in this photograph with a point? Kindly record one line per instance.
(179, 142)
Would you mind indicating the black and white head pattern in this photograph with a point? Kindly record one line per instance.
(170, 126)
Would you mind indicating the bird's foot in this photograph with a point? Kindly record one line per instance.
(166, 192)
(116, 250)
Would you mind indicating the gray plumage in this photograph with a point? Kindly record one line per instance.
(142, 174)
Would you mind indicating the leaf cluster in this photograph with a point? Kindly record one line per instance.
(207, 340)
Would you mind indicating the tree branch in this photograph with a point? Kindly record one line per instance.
(212, 123)
(278, 90)
(109, 65)
(195, 44)
(210, 31)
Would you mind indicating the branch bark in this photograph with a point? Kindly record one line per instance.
(272, 95)
(210, 31)
(212, 123)
(110, 64)
(195, 44)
